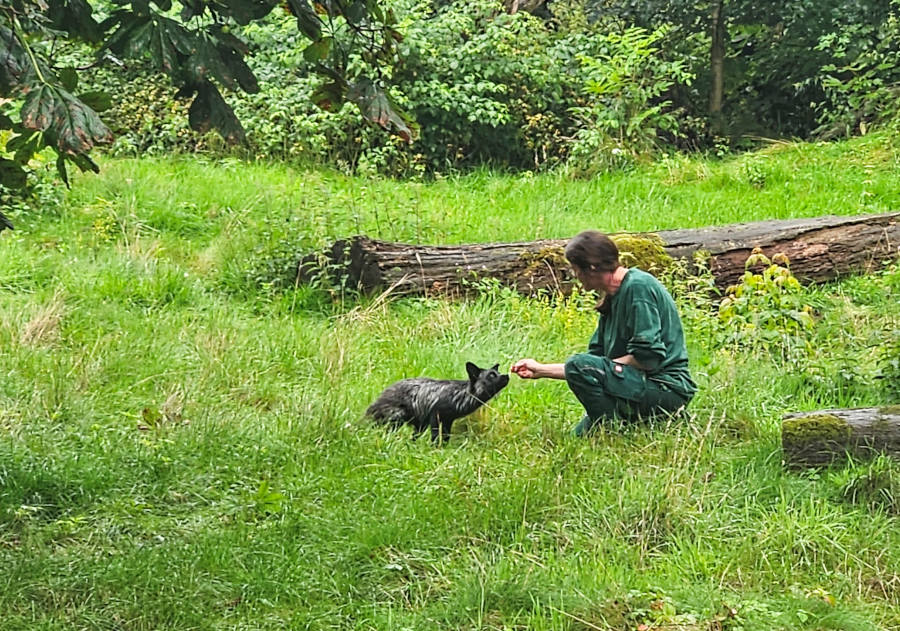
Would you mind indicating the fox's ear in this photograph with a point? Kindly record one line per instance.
(495, 367)
(473, 371)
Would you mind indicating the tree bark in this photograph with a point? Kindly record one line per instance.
(529, 6)
(717, 60)
(819, 249)
(814, 439)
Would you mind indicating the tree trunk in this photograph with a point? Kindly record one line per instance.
(529, 6)
(717, 61)
(819, 249)
(820, 438)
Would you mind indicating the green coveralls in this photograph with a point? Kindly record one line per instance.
(642, 321)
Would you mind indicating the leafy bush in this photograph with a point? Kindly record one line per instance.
(484, 86)
(889, 365)
(487, 86)
(862, 86)
(146, 118)
(627, 114)
(768, 311)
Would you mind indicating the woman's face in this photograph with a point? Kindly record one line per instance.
(596, 280)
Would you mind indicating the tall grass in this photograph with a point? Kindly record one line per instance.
(181, 446)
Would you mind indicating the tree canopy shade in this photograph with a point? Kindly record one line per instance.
(192, 42)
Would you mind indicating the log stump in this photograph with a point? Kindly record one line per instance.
(816, 439)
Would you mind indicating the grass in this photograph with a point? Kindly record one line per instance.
(181, 447)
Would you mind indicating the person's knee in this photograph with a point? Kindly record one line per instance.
(572, 369)
(585, 369)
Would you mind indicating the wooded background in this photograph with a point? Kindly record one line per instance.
(588, 85)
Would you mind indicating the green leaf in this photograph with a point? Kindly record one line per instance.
(141, 7)
(13, 176)
(78, 126)
(40, 104)
(139, 40)
(69, 78)
(328, 95)
(356, 12)
(183, 40)
(84, 163)
(246, 11)
(26, 149)
(75, 127)
(75, 17)
(239, 69)
(20, 139)
(13, 61)
(374, 7)
(307, 20)
(206, 62)
(318, 50)
(377, 107)
(61, 168)
(97, 100)
(210, 111)
(191, 9)
(226, 38)
(132, 34)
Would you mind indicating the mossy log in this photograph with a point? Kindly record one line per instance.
(813, 439)
(819, 249)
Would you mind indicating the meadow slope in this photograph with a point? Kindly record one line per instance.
(180, 435)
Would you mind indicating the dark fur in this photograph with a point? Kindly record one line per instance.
(436, 403)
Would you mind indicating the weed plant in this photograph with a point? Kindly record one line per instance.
(181, 444)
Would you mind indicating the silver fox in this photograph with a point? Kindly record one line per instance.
(436, 403)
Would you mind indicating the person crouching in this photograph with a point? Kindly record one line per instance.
(636, 364)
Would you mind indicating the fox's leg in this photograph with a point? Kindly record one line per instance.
(446, 424)
(434, 421)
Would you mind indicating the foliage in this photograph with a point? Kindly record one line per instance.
(483, 85)
(768, 310)
(772, 63)
(195, 48)
(595, 84)
(862, 84)
(486, 86)
(889, 364)
(626, 113)
(874, 484)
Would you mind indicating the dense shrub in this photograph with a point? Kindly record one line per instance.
(532, 92)
(484, 87)
(626, 111)
(862, 85)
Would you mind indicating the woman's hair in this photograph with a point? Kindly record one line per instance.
(592, 250)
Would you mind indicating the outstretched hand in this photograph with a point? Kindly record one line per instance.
(525, 368)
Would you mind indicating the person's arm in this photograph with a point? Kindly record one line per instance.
(645, 350)
(532, 369)
(630, 360)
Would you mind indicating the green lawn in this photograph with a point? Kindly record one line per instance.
(181, 444)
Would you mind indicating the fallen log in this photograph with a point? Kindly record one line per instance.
(819, 249)
(813, 439)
